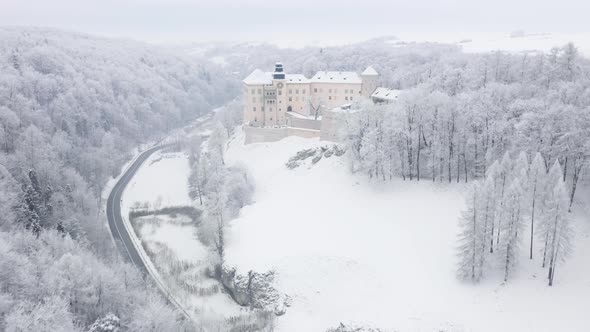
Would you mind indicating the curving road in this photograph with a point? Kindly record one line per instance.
(115, 219)
(113, 210)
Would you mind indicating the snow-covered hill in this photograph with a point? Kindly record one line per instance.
(384, 254)
(516, 42)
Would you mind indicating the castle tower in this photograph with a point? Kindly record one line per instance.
(279, 73)
(370, 78)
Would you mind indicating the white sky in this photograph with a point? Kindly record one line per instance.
(180, 21)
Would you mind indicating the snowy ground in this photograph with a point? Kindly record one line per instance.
(348, 250)
(171, 241)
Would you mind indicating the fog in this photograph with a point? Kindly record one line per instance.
(181, 21)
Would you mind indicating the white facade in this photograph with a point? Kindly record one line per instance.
(268, 96)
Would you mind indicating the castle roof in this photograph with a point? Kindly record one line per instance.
(258, 77)
(385, 94)
(336, 77)
(296, 78)
(370, 71)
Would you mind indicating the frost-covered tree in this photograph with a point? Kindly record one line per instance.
(554, 177)
(487, 213)
(502, 182)
(511, 227)
(536, 187)
(108, 323)
(49, 314)
(557, 225)
(471, 236)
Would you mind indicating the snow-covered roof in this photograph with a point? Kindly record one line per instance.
(370, 71)
(385, 94)
(258, 77)
(296, 78)
(336, 77)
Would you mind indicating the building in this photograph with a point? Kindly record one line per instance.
(274, 99)
(384, 95)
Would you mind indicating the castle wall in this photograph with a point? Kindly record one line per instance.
(260, 135)
(297, 97)
(335, 94)
(303, 123)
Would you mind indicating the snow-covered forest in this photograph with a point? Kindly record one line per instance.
(72, 109)
(458, 112)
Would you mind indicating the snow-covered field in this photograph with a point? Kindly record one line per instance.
(383, 254)
(163, 178)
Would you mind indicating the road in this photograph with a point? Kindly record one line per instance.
(113, 210)
(115, 219)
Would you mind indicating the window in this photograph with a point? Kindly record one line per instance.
(253, 109)
(345, 90)
(350, 97)
(315, 90)
(329, 97)
(296, 91)
(329, 90)
(259, 91)
(280, 92)
(335, 90)
(253, 91)
(303, 91)
(346, 98)
(290, 91)
(290, 98)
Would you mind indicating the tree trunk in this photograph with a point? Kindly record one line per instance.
(533, 218)
(418, 154)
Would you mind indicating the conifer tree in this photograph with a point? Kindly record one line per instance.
(511, 227)
(553, 179)
(471, 237)
(536, 177)
(558, 227)
(502, 183)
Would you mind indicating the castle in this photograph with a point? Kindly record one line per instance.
(273, 99)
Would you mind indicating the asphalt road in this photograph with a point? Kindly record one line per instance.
(115, 218)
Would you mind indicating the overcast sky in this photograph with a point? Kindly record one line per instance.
(180, 21)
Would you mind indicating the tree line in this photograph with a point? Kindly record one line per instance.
(451, 128)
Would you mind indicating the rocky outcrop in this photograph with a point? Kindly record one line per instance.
(315, 154)
(255, 290)
(352, 328)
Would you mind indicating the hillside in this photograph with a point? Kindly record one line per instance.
(72, 109)
(384, 254)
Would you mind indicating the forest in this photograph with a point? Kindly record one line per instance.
(73, 108)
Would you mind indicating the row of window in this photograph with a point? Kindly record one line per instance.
(262, 109)
(273, 101)
(281, 119)
(346, 91)
(303, 91)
